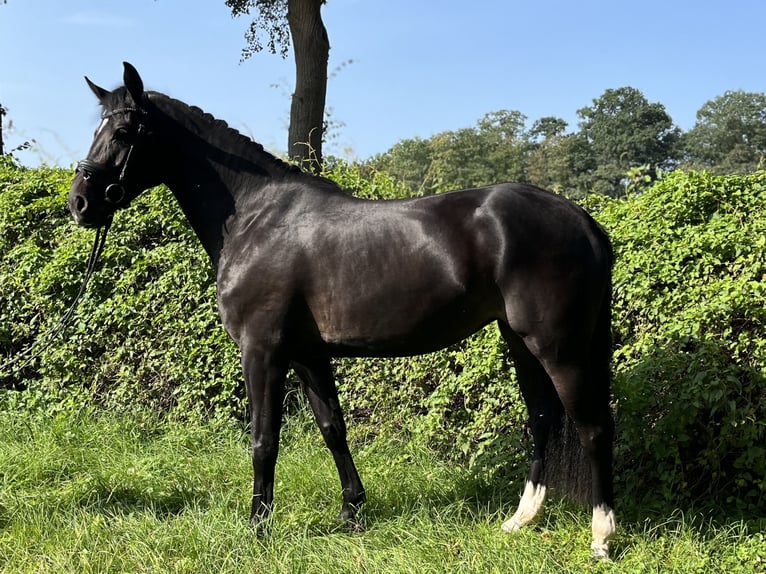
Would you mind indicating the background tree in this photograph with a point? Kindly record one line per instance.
(458, 159)
(549, 158)
(504, 135)
(619, 131)
(5, 129)
(409, 162)
(730, 134)
(2, 114)
(275, 23)
(492, 151)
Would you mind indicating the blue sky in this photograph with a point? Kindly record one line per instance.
(418, 67)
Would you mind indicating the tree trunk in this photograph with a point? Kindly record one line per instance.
(2, 113)
(312, 51)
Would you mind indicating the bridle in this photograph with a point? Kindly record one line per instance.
(114, 193)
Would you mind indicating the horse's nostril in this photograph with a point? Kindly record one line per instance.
(80, 204)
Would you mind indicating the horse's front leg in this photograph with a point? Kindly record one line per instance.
(265, 384)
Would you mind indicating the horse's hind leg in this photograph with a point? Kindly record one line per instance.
(545, 414)
(577, 368)
(584, 392)
(319, 386)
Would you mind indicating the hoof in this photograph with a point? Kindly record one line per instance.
(260, 522)
(510, 526)
(260, 527)
(346, 515)
(529, 506)
(600, 551)
(349, 520)
(604, 528)
(353, 526)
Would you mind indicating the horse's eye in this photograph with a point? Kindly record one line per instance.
(121, 134)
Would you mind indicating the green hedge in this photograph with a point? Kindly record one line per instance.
(689, 315)
(690, 336)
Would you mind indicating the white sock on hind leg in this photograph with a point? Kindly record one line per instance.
(529, 505)
(604, 527)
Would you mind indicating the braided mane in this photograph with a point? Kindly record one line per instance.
(221, 134)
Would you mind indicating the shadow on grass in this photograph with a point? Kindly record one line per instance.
(128, 499)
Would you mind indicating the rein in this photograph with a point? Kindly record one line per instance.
(115, 194)
(38, 347)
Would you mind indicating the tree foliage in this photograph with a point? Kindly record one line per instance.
(622, 129)
(619, 131)
(620, 135)
(549, 155)
(2, 116)
(689, 322)
(269, 27)
(125, 344)
(409, 162)
(730, 133)
(5, 128)
(493, 150)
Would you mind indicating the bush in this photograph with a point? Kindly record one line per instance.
(147, 330)
(689, 365)
(690, 358)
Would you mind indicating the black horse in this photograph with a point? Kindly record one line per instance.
(306, 272)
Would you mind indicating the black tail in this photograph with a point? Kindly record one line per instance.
(566, 471)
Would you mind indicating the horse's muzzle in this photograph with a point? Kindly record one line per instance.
(80, 209)
(89, 209)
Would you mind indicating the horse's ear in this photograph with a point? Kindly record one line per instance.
(133, 82)
(101, 93)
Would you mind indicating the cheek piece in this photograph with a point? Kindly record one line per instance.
(114, 193)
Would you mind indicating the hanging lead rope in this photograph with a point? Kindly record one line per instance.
(35, 350)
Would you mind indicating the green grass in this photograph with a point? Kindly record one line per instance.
(101, 492)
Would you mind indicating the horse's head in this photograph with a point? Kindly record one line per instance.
(121, 162)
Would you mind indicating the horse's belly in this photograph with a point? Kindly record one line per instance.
(405, 326)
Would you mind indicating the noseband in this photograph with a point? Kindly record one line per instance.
(114, 193)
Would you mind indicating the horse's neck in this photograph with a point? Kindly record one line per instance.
(217, 172)
(204, 175)
(214, 190)
(207, 205)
